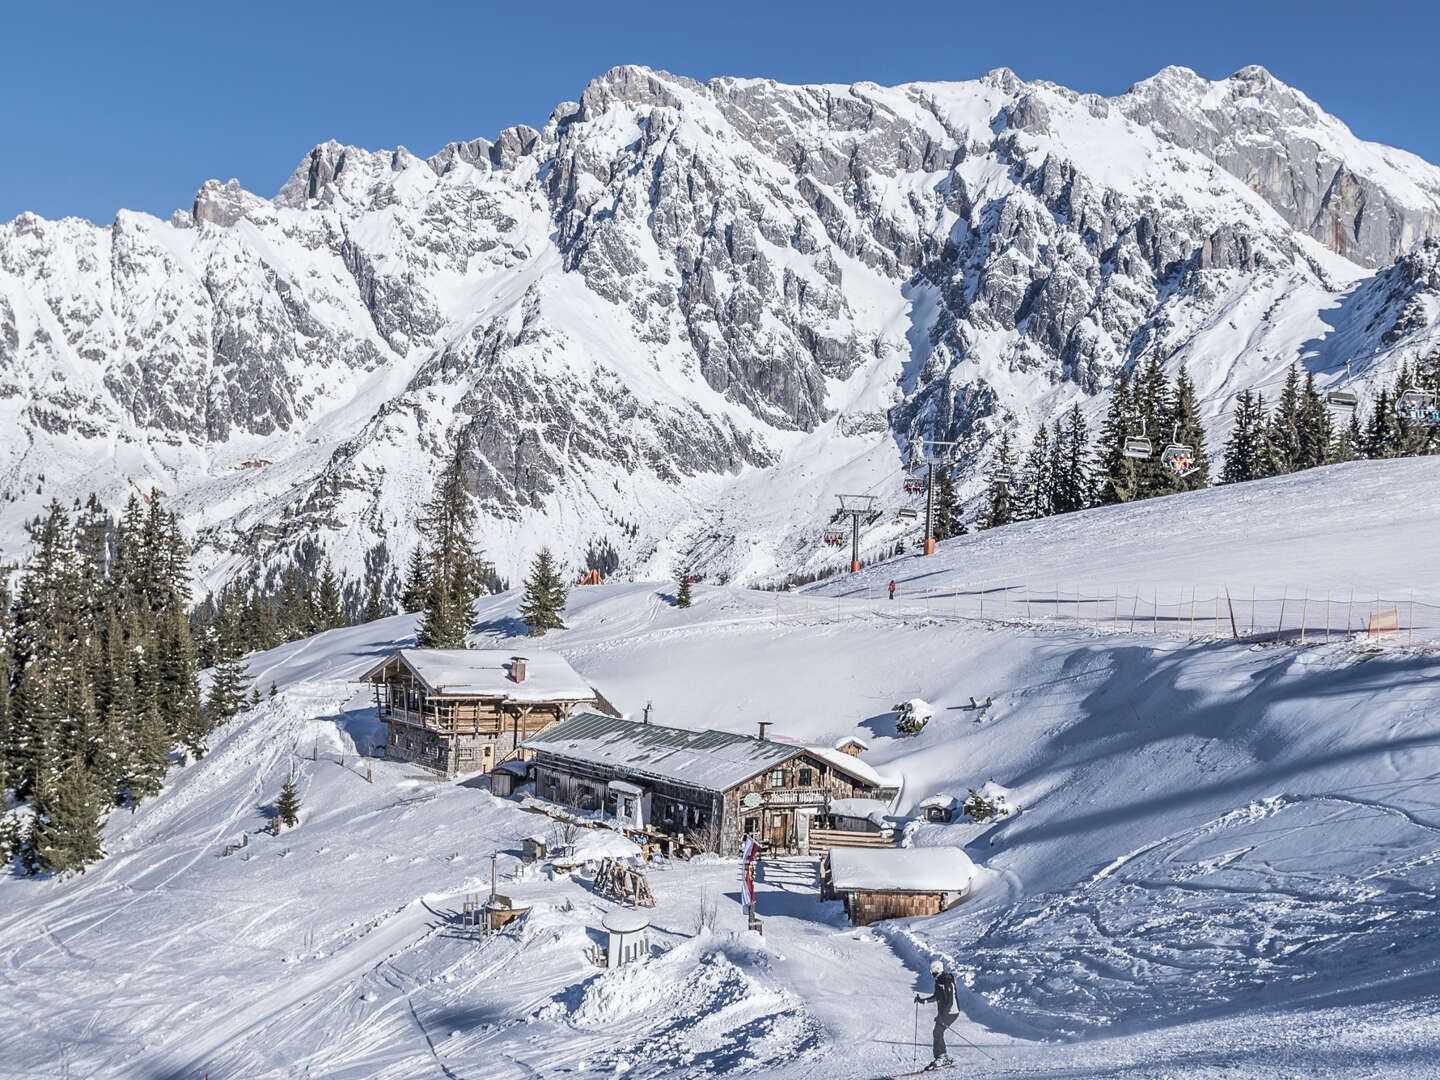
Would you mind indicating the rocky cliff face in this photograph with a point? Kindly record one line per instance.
(683, 316)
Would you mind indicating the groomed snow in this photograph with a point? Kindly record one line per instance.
(1226, 864)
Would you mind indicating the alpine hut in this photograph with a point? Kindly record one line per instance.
(469, 710)
(705, 789)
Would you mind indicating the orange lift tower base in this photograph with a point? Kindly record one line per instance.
(927, 448)
(856, 507)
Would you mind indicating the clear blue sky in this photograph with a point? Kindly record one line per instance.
(106, 105)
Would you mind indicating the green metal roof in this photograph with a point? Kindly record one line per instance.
(715, 760)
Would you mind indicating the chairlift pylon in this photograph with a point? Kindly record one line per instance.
(1137, 446)
(1420, 406)
(1177, 457)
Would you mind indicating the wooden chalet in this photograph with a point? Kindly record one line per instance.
(892, 883)
(469, 710)
(705, 789)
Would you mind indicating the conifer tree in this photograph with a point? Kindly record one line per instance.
(1381, 434)
(273, 688)
(1073, 482)
(149, 754)
(287, 805)
(1182, 423)
(1036, 497)
(1315, 427)
(456, 570)
(329, 608)
(416, 594)
(682, 587)
(1283, 451)
(1246, 443)
(1349, 439)
(997, 512)
(949, 520)
(1119, 480)
(6, 729)
(374, 603)
(65, 829)
(543, 604)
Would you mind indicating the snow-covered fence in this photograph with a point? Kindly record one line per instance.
(1280, 614)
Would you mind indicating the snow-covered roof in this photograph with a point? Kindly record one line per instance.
(852, 740)
(851, 765)
(716, 760)
(930, 869)
(944, 802)
(625, 921)
(870, 809)
(486, 673)
(625, 788)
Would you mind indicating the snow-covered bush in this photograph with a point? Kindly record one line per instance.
(912, 716)
(989, 803)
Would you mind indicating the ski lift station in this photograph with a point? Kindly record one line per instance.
(894, 883)
(628, 931)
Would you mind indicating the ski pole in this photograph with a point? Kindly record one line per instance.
(970, 1044)
(915, 1040)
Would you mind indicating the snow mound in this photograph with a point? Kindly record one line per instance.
(701, 1007)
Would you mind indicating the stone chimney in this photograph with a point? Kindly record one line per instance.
(764, 730)
(517, 668)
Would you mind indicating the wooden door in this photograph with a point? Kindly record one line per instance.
(780, 831)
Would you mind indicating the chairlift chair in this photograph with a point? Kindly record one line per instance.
(1421, 406)
(1000, 476)
(914, 487)
(834, 536)
(1342, 399)
(1177, 457)
(906, 513)
(1137, 446)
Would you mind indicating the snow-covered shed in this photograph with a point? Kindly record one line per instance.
(891, 883)
(705, 788)
(942, 808)
(468, 710)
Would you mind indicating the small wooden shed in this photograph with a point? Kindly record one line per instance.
(893, 883)
(941, 808)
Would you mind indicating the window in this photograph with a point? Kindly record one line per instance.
(806, 777)
(467, 754)
(629, 806)
(752, 825)
(777, 778)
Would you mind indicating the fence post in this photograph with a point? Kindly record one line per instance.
(1134, 608)
(1155, 610)
(1284, 595)
(1230, 604)
(1217, 613)
(1027, 603)
(1252, 611)
(1117, 609)
(1192, 612)
(1349, 611)
(1005, 615)
(1327, 616)
(1410, 636)
(1304, 614)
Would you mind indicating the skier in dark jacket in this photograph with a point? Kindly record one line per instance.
(945, 1011)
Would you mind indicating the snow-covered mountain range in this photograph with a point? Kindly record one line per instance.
(682, 317)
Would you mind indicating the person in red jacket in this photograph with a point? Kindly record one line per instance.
(892, 590)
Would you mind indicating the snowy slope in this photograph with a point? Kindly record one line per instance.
(1227, 860)
(682, 317)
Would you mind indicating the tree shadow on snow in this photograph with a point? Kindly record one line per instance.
(507, 626)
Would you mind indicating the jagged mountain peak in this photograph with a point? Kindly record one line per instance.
(681, 316)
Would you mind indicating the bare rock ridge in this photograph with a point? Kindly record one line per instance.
(682, 316)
